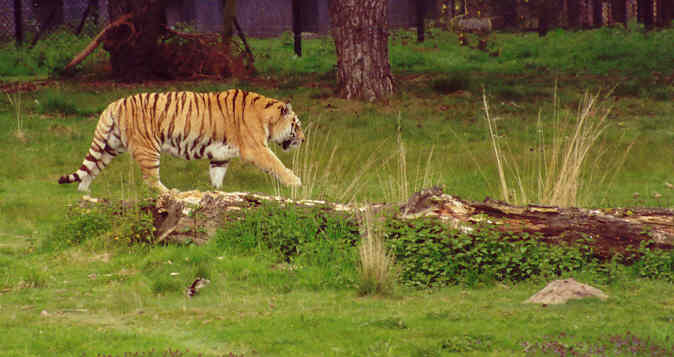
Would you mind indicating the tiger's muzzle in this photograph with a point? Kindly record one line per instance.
(291, 143)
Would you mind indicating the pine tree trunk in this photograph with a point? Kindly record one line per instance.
(360, 31)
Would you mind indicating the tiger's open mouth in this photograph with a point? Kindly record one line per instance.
(290, 144)
(285, 145)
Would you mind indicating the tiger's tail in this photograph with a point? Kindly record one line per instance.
(106, 144)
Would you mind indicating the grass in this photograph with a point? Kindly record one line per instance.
(121, 299)
(82, 288)
(559, 170)
(377, 269)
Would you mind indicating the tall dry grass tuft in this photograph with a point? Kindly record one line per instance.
(377, 273)
(16, 102)
(399, 185)
(566, 168)
(326, 172)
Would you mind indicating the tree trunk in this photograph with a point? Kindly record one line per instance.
(597, 15)
(619, 11)
(421, 17)
(544, 10)
(508, 10)
(228, 17)
(645, 13)
(665, 12)
(134, 48)
(297, 26)
(573, 14)
(18, 23)
(49, 13)
(360, 31)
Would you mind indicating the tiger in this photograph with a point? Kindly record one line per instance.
(217, 126)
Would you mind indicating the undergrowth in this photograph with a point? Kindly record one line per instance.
(321, 249)
(432, 254)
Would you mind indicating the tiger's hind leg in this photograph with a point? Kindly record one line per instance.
(217, 171)
(101, 152)
(148, 160)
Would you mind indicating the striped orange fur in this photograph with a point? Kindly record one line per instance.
(216, 126)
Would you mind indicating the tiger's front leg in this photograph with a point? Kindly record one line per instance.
(217, 171)
(266, 160)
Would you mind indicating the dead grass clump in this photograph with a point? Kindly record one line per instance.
(320, 176)
(16, 102)
(565, 169)
(377, 275)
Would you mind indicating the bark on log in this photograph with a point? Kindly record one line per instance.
(611, 230)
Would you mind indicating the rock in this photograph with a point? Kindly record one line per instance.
(561, 291)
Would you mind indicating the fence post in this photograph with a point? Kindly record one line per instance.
(297, 26)
(18, 23)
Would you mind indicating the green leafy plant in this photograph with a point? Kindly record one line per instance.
(306, 239)
(80, 224)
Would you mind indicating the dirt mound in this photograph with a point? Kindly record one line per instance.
(561, 291)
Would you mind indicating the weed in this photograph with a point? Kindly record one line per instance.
(56, 102)
(560, 171)
(17, 104)
(79, 225)
(304, 238)
(430, 254)
(377, 275)
(468, 343)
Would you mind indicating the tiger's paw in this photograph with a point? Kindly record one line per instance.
(293, 181)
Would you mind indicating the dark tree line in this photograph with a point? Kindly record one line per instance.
(570, 14)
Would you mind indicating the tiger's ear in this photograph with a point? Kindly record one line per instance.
(286, 109)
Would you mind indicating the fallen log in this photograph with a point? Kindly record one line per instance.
(609, 231)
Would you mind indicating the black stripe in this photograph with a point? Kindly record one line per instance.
(270, 103)
(95, 147)
(219, 163)
(85, 169)
(110, 150)
(236, 93)
(154, 106)
(201, 151)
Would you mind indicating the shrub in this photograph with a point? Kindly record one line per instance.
(79, 225)
(307, 239)
(431, 254)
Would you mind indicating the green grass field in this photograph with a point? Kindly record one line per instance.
(100, 296)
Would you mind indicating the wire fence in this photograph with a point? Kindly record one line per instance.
(259, 18)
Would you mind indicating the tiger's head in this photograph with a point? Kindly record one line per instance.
(287, 130)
